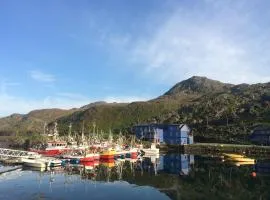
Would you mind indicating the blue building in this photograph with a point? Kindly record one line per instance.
(261, 135)
(179, 134)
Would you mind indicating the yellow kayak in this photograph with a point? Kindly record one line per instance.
(231, 155)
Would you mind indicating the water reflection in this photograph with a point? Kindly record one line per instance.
(174, 176)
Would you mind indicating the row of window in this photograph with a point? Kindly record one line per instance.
(57, 144)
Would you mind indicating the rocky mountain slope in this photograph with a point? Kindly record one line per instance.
(215, 111)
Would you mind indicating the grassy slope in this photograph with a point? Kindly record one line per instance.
(195, 101)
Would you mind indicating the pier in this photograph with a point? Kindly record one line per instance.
(206, 148)
(229, 148)
(15, 153)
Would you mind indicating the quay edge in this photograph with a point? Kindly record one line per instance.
(200, 148)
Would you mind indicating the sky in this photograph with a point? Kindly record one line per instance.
(65, 54)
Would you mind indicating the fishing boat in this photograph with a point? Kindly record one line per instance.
(54, 146)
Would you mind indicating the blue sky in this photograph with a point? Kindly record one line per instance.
(69, 53)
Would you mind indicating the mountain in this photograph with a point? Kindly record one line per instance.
(199, 85)
(216, 111)
(90, 105)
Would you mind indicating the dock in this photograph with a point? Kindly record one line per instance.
(206, 148)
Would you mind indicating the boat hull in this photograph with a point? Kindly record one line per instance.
(87, 159)
(51, 152)
(34, 163)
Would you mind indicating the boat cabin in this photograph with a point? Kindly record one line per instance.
(56, 144)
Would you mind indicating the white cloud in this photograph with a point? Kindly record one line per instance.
(214, 40)
(41, 76)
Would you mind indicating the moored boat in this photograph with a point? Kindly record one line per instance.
(87, 158)
(108, 154)
(53, 148)
(38, 163)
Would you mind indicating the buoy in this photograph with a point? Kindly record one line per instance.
(253, 174)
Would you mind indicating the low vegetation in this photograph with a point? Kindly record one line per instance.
(216, 111)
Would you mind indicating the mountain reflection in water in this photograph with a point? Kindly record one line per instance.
(171, 176)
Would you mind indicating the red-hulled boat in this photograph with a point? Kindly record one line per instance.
(53, 148)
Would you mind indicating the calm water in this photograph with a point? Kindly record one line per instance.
(167, 177)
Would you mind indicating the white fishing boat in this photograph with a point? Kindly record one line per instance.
(34, 163)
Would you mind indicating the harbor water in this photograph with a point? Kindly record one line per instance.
(171, 176)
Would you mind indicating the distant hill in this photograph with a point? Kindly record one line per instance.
(33, 121)
(215, 110)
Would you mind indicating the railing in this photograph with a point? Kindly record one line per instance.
(16, 153)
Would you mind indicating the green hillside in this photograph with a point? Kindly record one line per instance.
(216, 111)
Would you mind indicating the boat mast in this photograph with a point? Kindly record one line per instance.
(55, 131)
(69, 132)
(83, 132)
(110, 139)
